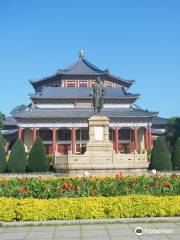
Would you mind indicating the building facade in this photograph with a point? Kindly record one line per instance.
(61, 106)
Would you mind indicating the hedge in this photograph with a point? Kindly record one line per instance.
(88, 208)
(44, 188)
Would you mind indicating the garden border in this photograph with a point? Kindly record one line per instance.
(90, 221)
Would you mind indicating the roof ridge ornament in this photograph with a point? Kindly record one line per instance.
(81, 54)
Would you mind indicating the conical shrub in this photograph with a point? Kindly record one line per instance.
(3, 162)
(176, 155)
(37, 161)
(160, 158)
(17, 160)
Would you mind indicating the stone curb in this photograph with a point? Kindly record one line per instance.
(89, 221)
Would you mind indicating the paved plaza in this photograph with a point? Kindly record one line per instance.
(116, 231)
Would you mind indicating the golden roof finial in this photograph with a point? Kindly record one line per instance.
(81, 53)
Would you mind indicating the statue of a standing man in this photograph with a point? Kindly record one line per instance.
(97, 94)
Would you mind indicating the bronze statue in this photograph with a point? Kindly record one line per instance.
(97, 94)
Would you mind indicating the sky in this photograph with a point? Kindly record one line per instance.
(134, 39)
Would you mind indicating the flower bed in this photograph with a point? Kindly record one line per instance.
(45, 188)
(88, 208)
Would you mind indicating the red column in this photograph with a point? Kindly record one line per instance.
(149, 137)
(116, 139)
(19, 133)
(132, 141)
(132, 146)
(54, 140)
(34, 134)
(146, 139)
(135, 138)
(73, 140)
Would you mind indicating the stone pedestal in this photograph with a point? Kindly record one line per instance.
(99, 135)
(100, 158)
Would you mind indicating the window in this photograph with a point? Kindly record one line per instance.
(124, 134)
(111, 135)
(64, 135)
(70, 84)
(82, 134)
(109, 84)
(45, 134)
(83, 84)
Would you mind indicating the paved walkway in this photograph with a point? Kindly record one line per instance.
(155, 231)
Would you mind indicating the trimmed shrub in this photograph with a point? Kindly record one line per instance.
(160, 158)
(3, 162)
(88, 208)
(2, 139)
(17, 160)
(176, 155)
(37, 161)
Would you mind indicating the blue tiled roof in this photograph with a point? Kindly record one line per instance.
(159, 121)
(10, 121)
(82, 67)
(9, 132)
(82, 113)
(80, 93)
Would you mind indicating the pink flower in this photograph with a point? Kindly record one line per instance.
(78, 188)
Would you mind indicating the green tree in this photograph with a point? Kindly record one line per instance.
(17, 160)
(37, 161)
(160, 158)
(3, 162)
(176, 155)
(2, 139)
(173, 130)
(2, 118)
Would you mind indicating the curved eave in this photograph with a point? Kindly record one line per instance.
(84, 117)
(123, 81)
(59, 75)
(98, 73)
(36, 83)
(80, 113)
(82, 98)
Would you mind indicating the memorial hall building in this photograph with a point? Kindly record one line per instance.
(61, 107)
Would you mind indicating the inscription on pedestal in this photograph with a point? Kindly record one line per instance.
(99, 133)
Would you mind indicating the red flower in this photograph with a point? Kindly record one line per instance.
(156, 184)
(148, 185)
(22, 189)
(67, 187)
(28, 191)
(19, 181)
(165, 184)
(94, 191)
(81, 180)
(26, 178)
(133, 180)
(129, 190)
